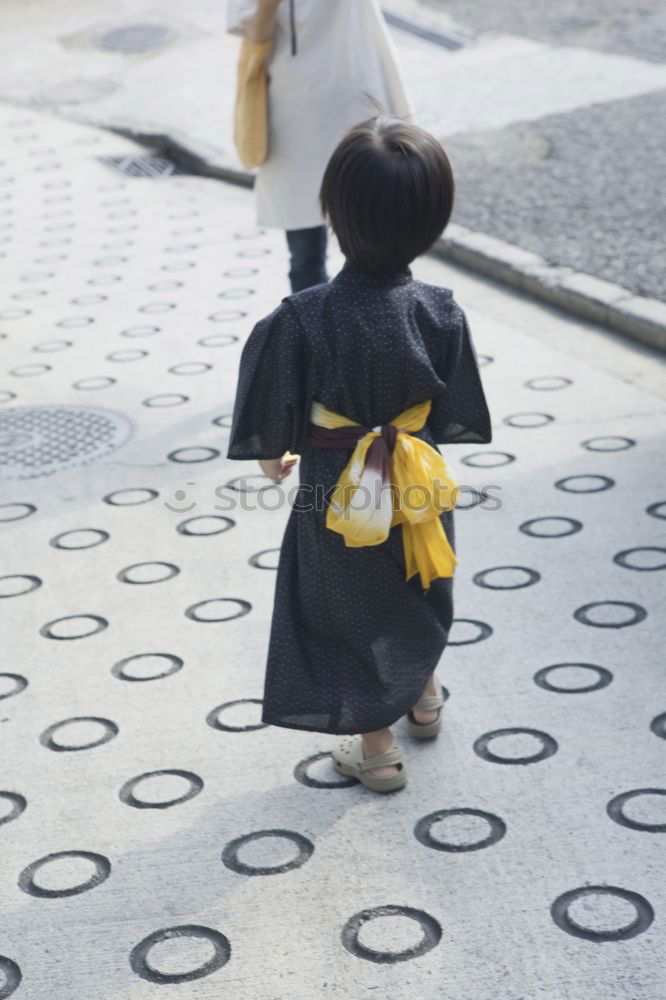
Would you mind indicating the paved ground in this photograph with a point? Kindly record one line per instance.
(553, 112)
(608, 25)
(551, 186)
(152, 833)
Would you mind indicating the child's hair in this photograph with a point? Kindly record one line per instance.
(387, 193)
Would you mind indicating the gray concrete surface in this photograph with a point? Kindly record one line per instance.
(129, 301)
(571, 187)
(556, 127)
(608, 25)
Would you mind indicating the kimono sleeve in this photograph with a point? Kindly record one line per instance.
(460, 412)
(238, 13)
(270, 412)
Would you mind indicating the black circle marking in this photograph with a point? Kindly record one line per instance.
(140, 331)
(615, 810)
(223, 421)
(231, 860)
(570, 526)
(658, 726)
(27, 877)
(479, 459)
(541, 383)
(528, 420)
(227, 315)
(213, 717)
(638, 614)
(101, 537)
(619, 443)
(481, 578)
(560, 913)
(432, 934)
(11, 975)
(126, 793)
(301, 773)
(190, 368)
(28, 509)
(166, 399)
(603, 678)
(94, 382)
(548, 746)
(124, 574)
(218, 340)
(258, 561)
(245, 484)
(622, 558)
(243, 608)
(20, 684)
(174, 664)
(33, 582)
(46, 739)
(221, 524)
(99, 623)
(140, 964)
(180, 454)
(497, 829)
(115, 501)
(18, 804)
(566, 484)
(657, 509)
(483, 632)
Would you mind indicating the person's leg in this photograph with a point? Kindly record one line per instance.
(307, 248)
(431, 688)
(375, 743)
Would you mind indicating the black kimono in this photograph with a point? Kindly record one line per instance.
(352, 642)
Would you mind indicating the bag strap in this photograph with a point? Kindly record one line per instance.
(292, 26)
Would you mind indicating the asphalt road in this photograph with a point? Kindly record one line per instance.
(637, 27)
(584, 189)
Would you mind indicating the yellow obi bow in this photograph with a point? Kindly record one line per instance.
(391, 478)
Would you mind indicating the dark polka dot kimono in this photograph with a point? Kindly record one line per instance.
(352, 643)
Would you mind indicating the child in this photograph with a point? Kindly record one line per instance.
(363, 602)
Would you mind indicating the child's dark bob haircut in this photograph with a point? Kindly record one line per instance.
(387, 193)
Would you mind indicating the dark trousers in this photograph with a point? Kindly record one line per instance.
(307, 248)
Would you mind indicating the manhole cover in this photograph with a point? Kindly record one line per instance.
(135, 37)
(41, 440)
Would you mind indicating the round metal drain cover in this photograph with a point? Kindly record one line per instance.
(41, 440)
(135, 37)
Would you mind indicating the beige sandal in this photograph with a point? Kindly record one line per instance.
(348, 759)
(426, 703)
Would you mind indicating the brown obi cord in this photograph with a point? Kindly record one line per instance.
(378, 454)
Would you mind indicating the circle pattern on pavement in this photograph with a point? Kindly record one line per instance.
(356, 929)
(144, 967)
(548, 746)
(127, 793)
(608, 913)
(494, 829)
(29, 885)
(231, 859)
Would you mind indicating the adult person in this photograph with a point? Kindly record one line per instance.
(332, 65)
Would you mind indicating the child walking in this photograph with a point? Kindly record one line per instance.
(363, 377)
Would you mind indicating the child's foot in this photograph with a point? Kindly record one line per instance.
(423, 717)
(352, 757)
(377, 743)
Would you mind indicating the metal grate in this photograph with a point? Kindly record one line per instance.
(40, 440)
(142, 166)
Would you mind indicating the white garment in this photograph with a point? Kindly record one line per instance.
(345, 59)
